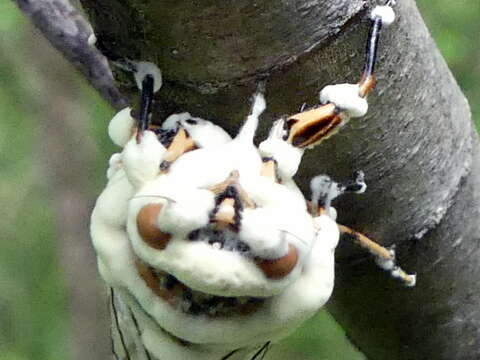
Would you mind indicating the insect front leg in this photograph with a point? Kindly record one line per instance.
(143, 154)
(342, 101)
(324, 191)
(146, 106)
(385, 258)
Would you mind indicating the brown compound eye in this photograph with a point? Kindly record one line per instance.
(148, 227)
(281, 267)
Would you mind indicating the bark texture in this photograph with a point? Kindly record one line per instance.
(68, 31)
(417, 145)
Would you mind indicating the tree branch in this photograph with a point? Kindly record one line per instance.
(69, 32)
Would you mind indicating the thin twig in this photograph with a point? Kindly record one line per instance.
(68, 31)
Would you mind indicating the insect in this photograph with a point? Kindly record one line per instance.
(210, 249)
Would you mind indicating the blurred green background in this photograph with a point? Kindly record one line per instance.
(39, 307)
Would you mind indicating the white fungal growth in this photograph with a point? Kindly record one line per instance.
(345, 97)
(385, 12)
(286, 155)
(121, 127)
(332, 212)
(210, 262)
(262, 233)
(396, 272)
(142, 161)
(323, 189)
(144, 68)
(362, 189)
(385, 264)
(189, 210)
(173, 121)
(204, 133)
(413, 280)
(114, 165)
(208, 244)
(92, 40)
(248, 130)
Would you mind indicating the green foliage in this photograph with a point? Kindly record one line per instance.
(33, 305)
(455, 25)
(321, 338)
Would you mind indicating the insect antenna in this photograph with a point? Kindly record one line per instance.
(355, 185)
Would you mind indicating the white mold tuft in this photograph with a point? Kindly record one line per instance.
(120, 128)
(345, 97)
(248, 129)
(92, 40)
(386, 13)
(142, 160)
(144, 68)
(286, 155)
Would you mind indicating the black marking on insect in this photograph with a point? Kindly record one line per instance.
(262, 352)
(117, 324)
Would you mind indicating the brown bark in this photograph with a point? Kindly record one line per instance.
(67, 31)
(417, 145)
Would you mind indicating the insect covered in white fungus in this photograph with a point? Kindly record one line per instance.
(209, 247)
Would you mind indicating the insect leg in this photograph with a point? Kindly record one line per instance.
(385, 258)
(341, 101)
(146, 105)
(357, 185)
(325, 190)
(367, 82)
(380, 16)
